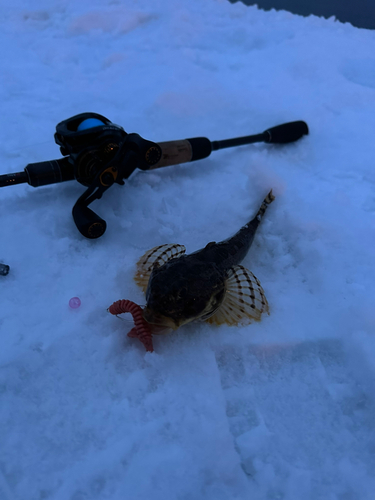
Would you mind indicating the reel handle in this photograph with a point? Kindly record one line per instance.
(88, 223)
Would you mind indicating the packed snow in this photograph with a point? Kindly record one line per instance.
(280, 409)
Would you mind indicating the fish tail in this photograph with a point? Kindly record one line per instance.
(233, 250)
(267, 201)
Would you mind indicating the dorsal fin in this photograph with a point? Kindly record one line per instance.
(156, 257)
(244, 300)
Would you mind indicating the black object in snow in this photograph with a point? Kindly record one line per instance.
(4, 269)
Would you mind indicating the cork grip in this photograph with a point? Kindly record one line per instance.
(174, 152)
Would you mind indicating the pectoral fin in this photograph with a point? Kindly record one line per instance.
(155, 257)
(244, 300)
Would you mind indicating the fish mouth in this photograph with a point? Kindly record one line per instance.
(157, 319)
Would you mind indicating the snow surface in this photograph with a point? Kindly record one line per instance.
(281, 409)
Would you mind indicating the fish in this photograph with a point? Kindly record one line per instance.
(207, 285)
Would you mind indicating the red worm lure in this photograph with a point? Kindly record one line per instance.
(141, 330)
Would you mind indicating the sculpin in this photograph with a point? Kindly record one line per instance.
(207, 285)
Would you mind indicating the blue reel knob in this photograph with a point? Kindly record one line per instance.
(89, 123)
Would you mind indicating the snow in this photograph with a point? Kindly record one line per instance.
(281, 409)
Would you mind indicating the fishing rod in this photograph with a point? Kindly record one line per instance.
(97, 153)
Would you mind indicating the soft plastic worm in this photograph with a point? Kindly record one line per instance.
(142, 329)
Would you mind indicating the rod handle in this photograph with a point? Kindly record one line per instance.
(285, 133)
(183, 151)
(197, 148)
(49, 172)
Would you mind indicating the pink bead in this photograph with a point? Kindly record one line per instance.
(74, 302)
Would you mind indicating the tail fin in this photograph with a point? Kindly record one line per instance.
(233, 250)
(267, 201)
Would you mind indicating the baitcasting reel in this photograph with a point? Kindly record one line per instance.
(98, 153)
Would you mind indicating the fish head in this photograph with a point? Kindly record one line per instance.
(180, 293)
